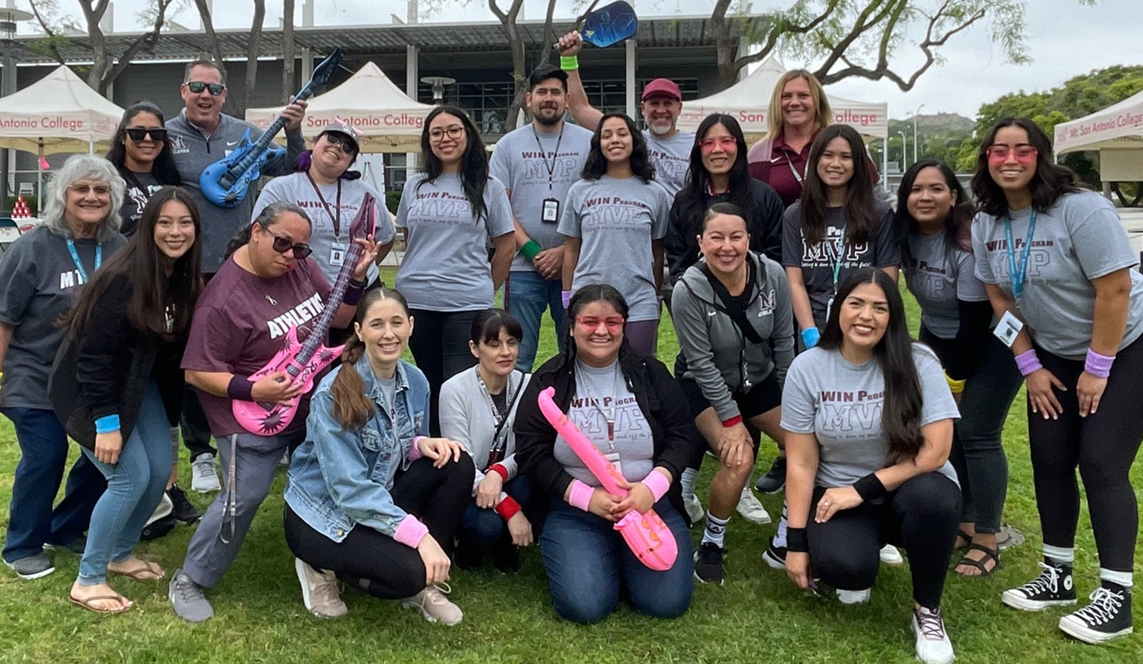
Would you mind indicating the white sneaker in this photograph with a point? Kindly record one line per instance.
(854, 596)
(203, 477)
(891, 556)
(434, 606)
(320, 593)
(750, 508)
(933, 644)
(694, 508)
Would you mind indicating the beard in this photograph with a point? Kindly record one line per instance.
(547, 120)
(659, 128)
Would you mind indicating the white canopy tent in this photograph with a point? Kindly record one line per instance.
(1116, 131)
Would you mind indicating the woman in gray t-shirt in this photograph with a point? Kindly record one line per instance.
(869, 424)
(1060, 273)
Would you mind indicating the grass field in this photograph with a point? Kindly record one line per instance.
(758, 616)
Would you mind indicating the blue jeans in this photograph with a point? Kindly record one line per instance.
(134, 487)
(43, 454)
(587, 561)
(483, 528)
(526, 295)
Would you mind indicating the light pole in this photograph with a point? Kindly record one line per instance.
(438, 83)
(915, 139)
(904, 149)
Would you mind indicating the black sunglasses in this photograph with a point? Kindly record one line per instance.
(198, 86)
(158, 134)
(283, 244)
(336, 139)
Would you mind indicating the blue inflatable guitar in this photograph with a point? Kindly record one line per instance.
(226, 181)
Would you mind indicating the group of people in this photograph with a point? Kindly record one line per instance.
(778, 263)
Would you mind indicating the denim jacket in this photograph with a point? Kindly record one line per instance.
(339, 478)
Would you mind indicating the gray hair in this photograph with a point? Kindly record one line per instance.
(84, 167)
(203, 63)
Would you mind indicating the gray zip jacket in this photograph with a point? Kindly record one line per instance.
(713, 345)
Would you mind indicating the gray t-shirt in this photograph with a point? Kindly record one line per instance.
(601, 395)
(446, 264)
(1078, 240)
(519, 163)
(617, 222)
(817, 262)
(329, 247)
(938, 276)
(671, 158)
(840, 403)
(40, 281)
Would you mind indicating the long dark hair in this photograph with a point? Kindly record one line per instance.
(958, 222)
(1049, 182)
(860, 204)
(580, 299)
(140, 261)
(163, 168)
(473, 163)
(486, 326)
(266, 218)
(352, 407)
(595, 166)
(692, 198)
(901, 408)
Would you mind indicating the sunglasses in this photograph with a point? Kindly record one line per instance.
(1023, 152)
(724, 142)
(198, 86)
(284, 244)
(613, 324)
(342, 140)
(85, 189)
(158, 134)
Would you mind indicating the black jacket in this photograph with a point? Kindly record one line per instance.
(107, 371)
(658, 395)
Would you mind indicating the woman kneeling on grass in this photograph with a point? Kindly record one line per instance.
(869, 424)
(371, 500)
(635, 414)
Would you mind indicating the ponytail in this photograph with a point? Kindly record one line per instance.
(351, 406)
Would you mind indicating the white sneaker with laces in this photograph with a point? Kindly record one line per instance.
(854, 596)
(891, 556)
(204, 479)
(434, 606)
(933, 645)
(695, 512)
(751, 509)
(320, 592)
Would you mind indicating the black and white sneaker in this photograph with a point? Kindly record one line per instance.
(1107, 617)
(708, 563)
(183, 510)
(1054, 587)
(774, 479)
(775, 556)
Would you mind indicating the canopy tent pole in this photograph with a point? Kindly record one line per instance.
(40, 179)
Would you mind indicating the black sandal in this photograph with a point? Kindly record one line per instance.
(962, 535)
(989, 554)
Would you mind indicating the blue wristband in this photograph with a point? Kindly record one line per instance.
(810, 337)
(107, 424)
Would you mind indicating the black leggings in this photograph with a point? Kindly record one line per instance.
(377, 563)
(922, 515)
(1103, 445)
(440, 347)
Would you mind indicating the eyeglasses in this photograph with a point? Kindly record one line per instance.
(284, 244)
(724, 142)
(85, 189)
(454, 132)
(591, 323)
(1023, 152)
(342, 140)
(198, 86)
(158, 134)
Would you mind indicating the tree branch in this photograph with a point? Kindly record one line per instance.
(147, 41)
(52, 41)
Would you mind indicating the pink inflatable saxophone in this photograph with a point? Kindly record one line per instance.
(645, 534)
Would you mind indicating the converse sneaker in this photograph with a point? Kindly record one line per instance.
(774, 479)
(188, 600)
(31, 567)
(933, 645)
(775, 556)
(1054, 587)
(434, 606)
(183, 510)
(708, 563)
(890, 556)
(203, 477)
(694, 508)
(854, 596)
(751, 509)
(1106, 618)
(319, 591)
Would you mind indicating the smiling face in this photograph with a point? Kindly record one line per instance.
(615, 140)
(385, 331)
(1012, 160)
(203, 108)
(597, 332)
(661, 114)
(719, 150)
(547, 101)
(267, 261)
(88, 202)
(448, 139)
(174, 230)
(724, 243)
(329, 157)
(835, 166)
(797, 104)
(139, 155)
(864, 318)
(498, 356)
(930, 200)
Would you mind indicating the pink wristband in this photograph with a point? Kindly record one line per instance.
(415, 451)
(657, 483)
(1028, 363)
(1098, 365)
(410, 531)
(580, 496)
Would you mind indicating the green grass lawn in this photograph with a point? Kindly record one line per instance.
(758, 616)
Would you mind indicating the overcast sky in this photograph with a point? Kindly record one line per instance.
(1064, 39)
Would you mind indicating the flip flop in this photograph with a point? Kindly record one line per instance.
(148, 571)
(989, 554)
(87, 603)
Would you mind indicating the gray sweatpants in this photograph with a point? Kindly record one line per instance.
(216, 543)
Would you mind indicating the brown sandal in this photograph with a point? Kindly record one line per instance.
(87, 603)
(148, 571)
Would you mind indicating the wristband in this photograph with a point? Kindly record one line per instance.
(499, 470)
(796, 541)
(657, 483)
(107, 424)
(734, 421)
(810, 337)
(410, 531)
(1098, 365)
(955, 386)
(415, 451)
(507, 508)
(353, 293)
(1028, 363)
(569, 62)
(240, 388)
(580, 496)
(565, 298)
(530, 249)
(870, 488)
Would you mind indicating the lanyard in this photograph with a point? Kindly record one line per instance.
(1017, 273)
(335, 218)
(496, 416)
(544, 155)
(78, 265)
(797, 176)
(838, 255)
(609, 417)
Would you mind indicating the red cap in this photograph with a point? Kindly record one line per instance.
(664, 87)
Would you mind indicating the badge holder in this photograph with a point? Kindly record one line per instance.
(551, 211)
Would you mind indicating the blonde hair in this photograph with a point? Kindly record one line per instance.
(823, 114)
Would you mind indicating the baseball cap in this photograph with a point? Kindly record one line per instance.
(342, 127)
(663, 87)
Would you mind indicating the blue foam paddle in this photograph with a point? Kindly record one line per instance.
(610, 25)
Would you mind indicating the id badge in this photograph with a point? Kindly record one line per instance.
(337, 254)
(551, 211)
(829, 307)
(613, 459)
(1008, 328)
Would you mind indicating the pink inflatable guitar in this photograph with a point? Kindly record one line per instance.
(303, 362)
(646, 535)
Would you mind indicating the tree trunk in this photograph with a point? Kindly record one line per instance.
(252, 47)
(213, 45)
(288, 84)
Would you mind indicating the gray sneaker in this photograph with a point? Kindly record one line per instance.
(204, 479)
(31, 567)
(320, 593)
(434, 606)
(188, 599)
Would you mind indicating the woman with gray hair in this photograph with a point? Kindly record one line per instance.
(41, 273)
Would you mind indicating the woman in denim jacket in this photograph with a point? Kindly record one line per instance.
(370, 499)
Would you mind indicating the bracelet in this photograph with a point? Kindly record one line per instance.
(240, 388)
(353, 294)
(580, 496)
(507, 508)
(657, 483)
(734, 421)
(955, 386)
(870, 488)
(796, 541)
(569, 62)
(1028, 363)
(107, 424)
(499, 470)
(530, 249)
(1098, 365)
(565, 298)
(415, 451)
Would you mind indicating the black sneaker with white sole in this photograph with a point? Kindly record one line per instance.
(708, 563)
(1054, 587)
(774, 479)
(1107, 617)
(182, 508)
(775, 556)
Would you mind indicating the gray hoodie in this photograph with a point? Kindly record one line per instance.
(712, 344)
